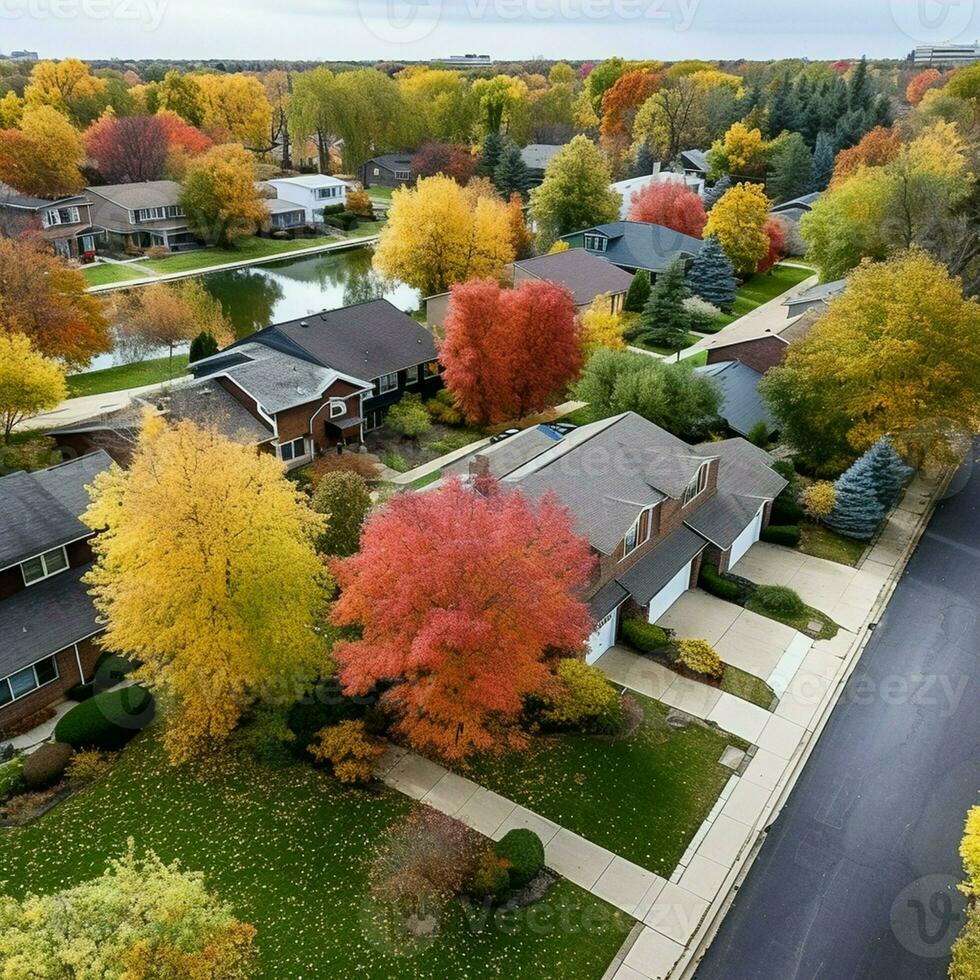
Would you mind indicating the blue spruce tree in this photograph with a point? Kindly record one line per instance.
(712, 276)
(889, 473)
(857, 510)
(823, 161)
(712, 195)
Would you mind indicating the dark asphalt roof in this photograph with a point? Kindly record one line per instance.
(803, 203)
(655, 569)
(697, 158)
(45, 618)
(207, 403)
(724, 517)
(506, 456)
(643, 244)
(13, 197)
(584, 274)
(743, 469)
(393, 161)
(742, 407)
(39, 511)
(606, 600)
(364, 341)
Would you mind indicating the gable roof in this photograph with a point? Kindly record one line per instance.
(724, 517)
(656, 568)
(642, 244)
(11, 197)
(742, 407)
(393, 161)
(584, 274)
(743, 469)
(307, 180)
(537, 156)
(144, 194)
(40, 511)
(819, 293)
(697, 159)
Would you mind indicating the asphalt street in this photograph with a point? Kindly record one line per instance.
(857, 875)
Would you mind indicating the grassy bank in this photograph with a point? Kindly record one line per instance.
(127, 376)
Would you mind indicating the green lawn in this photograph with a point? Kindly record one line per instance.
(747, 686)
(696, 360)
(126, 376)
(380, 193)
(288, 848)
(827, 630)
(759, 289)
(821, 542)
(642, 798)
(102, 273)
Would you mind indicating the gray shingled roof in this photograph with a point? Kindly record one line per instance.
(606, 600)
(40, 511)
(206, 402)
(537, 156)
(742, 407)
(11, 196)
(743, 469)
(697, 158)
(44, 619)
(143, 194)
(803, 203)
(655, 569)
(815, 294)
(393, 161)
(724, 517)
(584, 274)
(506, 456)
(643, 244)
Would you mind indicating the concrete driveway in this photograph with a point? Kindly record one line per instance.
(843, 593)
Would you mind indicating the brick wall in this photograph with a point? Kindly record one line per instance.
(760, 354)
(12, 579)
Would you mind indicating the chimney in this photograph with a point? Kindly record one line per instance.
(479, 466)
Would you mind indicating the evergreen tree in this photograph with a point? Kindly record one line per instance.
(203, 345)
(850, 128)
(712, 276)
(889, 472)
(712, 195)
(857, 510)
(644, 161)
(510, 175)
(881, 113)
(665, 320)
(823, 161)
(638, 293)
(859, 93)
(782, 115)
(493, 147)
(792, 170)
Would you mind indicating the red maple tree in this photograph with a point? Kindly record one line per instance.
(460, 598)
(777, 246)
(921, 84)
(449, 159)
(128, 149)
(669, 204)
(182, 136)
(508, 351)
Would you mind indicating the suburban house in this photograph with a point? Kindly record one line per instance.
(652, 507)
(815, 298)
(694, 163)
(742, 407)
(64, 222)
(627, 188)
(310, 192)
(758, 343)
(634, 245)
(47, 620)
(135, 217)
(797, 207)
(387, 170)
(322, 382)
(536, 157)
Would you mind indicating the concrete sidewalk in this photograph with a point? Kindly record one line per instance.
(89, 406)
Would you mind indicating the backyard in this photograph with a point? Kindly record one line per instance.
(125, 376)
(288, 847)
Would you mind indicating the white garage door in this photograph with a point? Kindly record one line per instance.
(670, 593)
(603, 637)
(746, 539)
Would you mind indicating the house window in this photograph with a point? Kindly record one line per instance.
(322, 193)
(289, 451)
(337, 408)
(377, 172)
(401, 175)
(387, 382)
(696, 485)
(638, 534)
(29, 679)
(374, 419)
(430, 369)
(43, 566)
(412, 375)
(150, 214)
(596, 243)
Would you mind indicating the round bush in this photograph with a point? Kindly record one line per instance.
(646, 637)
(700, 656)
(779, 599)
(107, 721)
(523, 850)
(785, 534)
(786, 511)
(324, 707)
(46, 765)
(80, 692)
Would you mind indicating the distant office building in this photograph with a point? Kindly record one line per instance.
(468, 60)
(20, 56)
(945, 55)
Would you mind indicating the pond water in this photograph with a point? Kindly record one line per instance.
(259, 295)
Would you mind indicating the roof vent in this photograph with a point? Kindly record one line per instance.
(303, 323)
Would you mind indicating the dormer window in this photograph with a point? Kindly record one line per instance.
(697, 485)
(44, 566)
(595, 243)
(638, 534)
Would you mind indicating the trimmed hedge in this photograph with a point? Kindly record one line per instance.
(713, 583)
(80, 692)
(107, 721)
(46, 765)
(523, 850)
(786, 511)
(646, 637)
(787, 534)
(779, 599)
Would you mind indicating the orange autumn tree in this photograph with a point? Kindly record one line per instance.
(460, 597)
(669, 204)
(877, 147)
(508, 351)
(621, 101)
(921, 84)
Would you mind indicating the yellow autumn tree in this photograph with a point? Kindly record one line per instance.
(29, 382)
(438, 235)
(235, 109)
(970, 852)
(11, 110)
(69, 87)
(738, 221)
(740, 153)
(601, 328)
(42, 157)
(206, 571)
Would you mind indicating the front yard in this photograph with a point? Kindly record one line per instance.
(643, 798)
(287, 847)
(761, 288)
(822, 542)
(103, 273)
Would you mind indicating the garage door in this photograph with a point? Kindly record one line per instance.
(746, 539)
(670, 593)
(603, 637)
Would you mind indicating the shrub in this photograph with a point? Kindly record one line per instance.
(715, 584)
(12, 778)
(785, 510)
(90, 765)
(584, 696)
(779, 599)
(80, 692)
(646, 637)
(395, 461)
(359, 203)
(491, 877)
(785, 534)
(46, 765)
(107, 721)
(35, 453)
(157, 252)
(265, 736)
(818, 499)
(349, 749)
(759, 434)
(408, 417)
(443, 408)
(702, 314)
(523, 851)
(360, 463)
(111, 669)
(700, 656)
(325, 705)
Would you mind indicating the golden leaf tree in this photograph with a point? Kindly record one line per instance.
(29, 382)
(206, 572)
(738, 221)
(42, 157)
(438, 235)
(601, 328)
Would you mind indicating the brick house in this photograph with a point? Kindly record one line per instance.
(652, 507)
(320, 383)
(65, 223)
(48, 623)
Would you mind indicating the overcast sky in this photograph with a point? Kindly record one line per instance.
(505, 29)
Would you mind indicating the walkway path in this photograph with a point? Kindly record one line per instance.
(89, 406)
